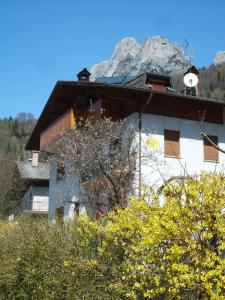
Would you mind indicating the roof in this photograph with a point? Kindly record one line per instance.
(193, 70)
(27, 171)
(67, 94)
(141, 80)
(195, 98)
(114, 79)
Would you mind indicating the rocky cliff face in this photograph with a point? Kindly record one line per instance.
(156, 54)
(220, 58)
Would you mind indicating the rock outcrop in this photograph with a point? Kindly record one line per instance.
(220, 58)
(156, 54)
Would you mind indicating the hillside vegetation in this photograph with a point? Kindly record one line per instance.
(14, 134)
(211, 82)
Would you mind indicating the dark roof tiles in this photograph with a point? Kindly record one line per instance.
(114, 79)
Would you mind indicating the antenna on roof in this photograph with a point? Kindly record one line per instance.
(191, 81)
(191, 75)
(190, 54)
(187, 50)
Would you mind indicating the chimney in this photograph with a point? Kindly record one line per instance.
(35, 155)
(84, 75)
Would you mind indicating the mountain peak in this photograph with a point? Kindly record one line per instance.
(220, 58)
(125, 47)
(154, 54)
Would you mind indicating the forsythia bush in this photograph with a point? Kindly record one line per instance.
(174, 251)
(147, 251)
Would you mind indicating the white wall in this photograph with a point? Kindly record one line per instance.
(62, 193)
(191, 148)
(154, 169)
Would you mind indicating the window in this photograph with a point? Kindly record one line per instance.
(60, 171)
(210, 153)
(171, 143)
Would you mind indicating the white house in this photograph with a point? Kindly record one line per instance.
(31, 191)
(167, 122)
(179, 147)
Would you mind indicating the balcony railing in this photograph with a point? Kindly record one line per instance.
(31, 206)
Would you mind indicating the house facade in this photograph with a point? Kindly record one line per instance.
(35, 200)
(31, 190)
(166, 123)
(180, 148)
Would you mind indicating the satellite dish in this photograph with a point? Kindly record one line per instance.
(190, 79)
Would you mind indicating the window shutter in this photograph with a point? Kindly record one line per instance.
(210, 153)
(172, 143)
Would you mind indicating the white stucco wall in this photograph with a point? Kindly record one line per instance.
(62, 193)
(154, 169)
(191, 159)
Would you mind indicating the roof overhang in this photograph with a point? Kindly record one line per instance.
(67, 94)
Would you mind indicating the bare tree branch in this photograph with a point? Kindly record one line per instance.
(204, 135)
(101, 154)
(166, 182)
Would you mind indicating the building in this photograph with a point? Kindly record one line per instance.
(172, 121)
(31, 188)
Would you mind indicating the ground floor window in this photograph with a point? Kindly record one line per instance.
(210, 152)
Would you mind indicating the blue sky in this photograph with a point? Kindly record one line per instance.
(42, 41)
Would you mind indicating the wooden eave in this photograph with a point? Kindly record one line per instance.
(76, 94)
(67, 94)
(141, 79)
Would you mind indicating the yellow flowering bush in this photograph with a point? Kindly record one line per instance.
(146, 251)
(174, 251)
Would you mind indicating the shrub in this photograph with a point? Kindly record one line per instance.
(174, 251)
(146, 251)
(42, 262)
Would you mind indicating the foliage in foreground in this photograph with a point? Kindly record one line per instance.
(146, 251)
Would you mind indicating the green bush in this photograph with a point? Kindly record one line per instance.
(146, 251)
(43, 262)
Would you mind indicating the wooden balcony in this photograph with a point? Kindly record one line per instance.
(53, 132)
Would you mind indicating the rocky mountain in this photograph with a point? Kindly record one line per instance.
(220, 58)
(156, 54)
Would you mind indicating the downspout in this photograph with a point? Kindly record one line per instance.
(142, 110)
